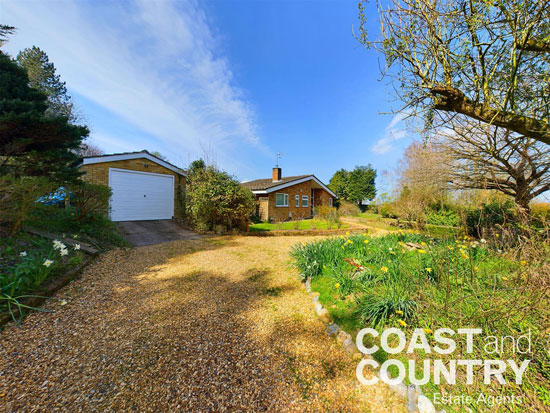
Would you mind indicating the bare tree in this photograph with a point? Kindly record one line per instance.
(423, 180)
(89, 149)
(488, 60)
(489, 157)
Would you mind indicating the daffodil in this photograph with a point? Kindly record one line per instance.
(366, 241)
(399, 312)
(428, 269)
(23, 254)
(522, 262)
(347, 234)
(350, 241)
(402, 323)
(427, 331)
(423, 243)
(476, 269)
(421, 251)
(336, 285)
(47, 263)
(384, 269)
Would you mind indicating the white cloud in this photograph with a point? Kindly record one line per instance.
(394, 132)
(154, 64)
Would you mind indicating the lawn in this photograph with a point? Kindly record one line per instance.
(389, 224)
(295, 225)
(409, 280)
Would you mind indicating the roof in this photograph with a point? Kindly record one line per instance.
(265, 186)
(262, 184)
(88, 160)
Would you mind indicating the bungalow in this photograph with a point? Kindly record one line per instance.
(291, 197)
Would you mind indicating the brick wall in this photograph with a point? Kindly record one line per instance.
(282, 213)
(98, 173)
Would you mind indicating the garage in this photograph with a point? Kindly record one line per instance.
(139, 196)
(144, 187)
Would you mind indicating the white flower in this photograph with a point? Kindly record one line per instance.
(77, 247)
(63, 252)
(23, 254)
(58, 245)
(47, 263)
(483, 241)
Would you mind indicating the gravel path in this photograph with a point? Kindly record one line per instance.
(218, 324)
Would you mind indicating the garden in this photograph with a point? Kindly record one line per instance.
(410, 280)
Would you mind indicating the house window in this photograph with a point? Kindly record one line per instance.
(281, 200)
(297, 201)
(330, 202)
(305, 200)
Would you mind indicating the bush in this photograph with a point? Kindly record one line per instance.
(348, 209)
(216, 201)
(489, 216)
(18, 198)
(90, 199)
(442, 217)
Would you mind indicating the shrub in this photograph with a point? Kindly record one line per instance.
(18, 196)
(90, 199)
(442, 217)
(217, 201)
(488, 217)
(348, 209)
(327, 213)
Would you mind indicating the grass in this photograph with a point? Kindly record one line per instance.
(304, 224)
(410, 280)
(390, 224)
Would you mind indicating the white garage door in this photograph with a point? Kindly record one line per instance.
(139, 196)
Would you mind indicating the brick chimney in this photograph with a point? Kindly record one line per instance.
(276, 174)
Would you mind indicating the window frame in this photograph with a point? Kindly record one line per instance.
(297, 201)
(285, 200)
(305, 198)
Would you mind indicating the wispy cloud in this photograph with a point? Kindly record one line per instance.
(154, 64)
(394, 131)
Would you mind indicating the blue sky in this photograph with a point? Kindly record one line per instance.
(237, 80)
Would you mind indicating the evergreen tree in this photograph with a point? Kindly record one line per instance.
(33, 141)
(42, 76)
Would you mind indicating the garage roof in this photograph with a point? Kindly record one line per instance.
(88, 160)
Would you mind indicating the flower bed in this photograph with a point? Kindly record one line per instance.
(410, 281)
(28, 261)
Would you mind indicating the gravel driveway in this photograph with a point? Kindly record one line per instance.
(217, 324)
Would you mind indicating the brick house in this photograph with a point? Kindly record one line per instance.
(144, 186)
(292, 197)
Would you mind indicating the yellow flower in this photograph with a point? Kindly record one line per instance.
(402, 323)
(428, 269)
(384, 269)
(392, 253)
(336, 285)
(523, 262)
(347, 234)
(366, 241)
(399, 312)
(497, 235)
(324, 267)
(423, 243)
(476, 269)
(450, 248)
(427, 331)
(342, 247)
(350, 241)
(421, 251)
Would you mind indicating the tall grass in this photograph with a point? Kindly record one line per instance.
(410, 280)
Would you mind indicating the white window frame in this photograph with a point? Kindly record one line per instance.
(305, 198)
(285, 200)
(330, 202)
(297, 201)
